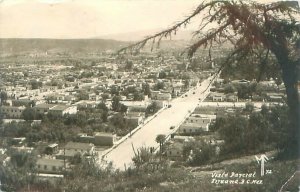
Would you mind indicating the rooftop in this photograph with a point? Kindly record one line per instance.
(44, 106)
(76, 145)
(60, 107)
(53, 162)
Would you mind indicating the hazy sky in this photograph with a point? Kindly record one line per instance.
(88, 18)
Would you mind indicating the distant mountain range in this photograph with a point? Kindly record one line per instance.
(98, 44)
(59, 45)
(185, 35)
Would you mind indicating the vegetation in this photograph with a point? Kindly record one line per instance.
(152, 108)
(199, 153)
(258, 33)
(35, 84)
(160, 139)
(3, 97)
(262, 36)
(162, 178)
(62, 129)
(256, 132)
(117, 105)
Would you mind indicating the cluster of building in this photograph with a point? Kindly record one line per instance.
(197, 124)
(62, 89)
(266, 90)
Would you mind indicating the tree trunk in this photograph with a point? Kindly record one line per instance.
(290, 76)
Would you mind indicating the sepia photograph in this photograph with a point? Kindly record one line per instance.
(149, 95)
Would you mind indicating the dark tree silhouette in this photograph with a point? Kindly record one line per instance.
(160, 139)
(3, 97)
(257, 33)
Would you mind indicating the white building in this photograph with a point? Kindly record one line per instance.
(44, 165)
(61, 110)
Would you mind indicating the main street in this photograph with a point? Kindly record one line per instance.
(122, 154)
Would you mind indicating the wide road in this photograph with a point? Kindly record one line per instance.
(173, 116)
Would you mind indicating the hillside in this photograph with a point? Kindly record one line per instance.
(58, 45)
(17, 46)
(184, 35)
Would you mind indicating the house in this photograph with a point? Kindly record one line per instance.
(161, 104)
(12, 112)
(134, 118)
(104, 139)
(44, 165)
(175, 150)
(161, 95)
(55, 98)
(190, 128)
(61, 110)
(138, 108)
(202, 120)
(195, 124)
(154, 94)
(232, 97)
(176, 90)
(52, 148)
(86, 104)
(218, 97)
(82, 148)
(164, 96)
(43, 108)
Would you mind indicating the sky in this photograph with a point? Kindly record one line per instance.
(88, 18)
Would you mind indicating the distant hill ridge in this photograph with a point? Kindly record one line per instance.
(185, 35)
(58, 45)
(31, 45)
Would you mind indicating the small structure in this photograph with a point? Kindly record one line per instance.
(51, 149)
(162, 96)
(232, 97)
(199, 119)
(190, 128)
(196, 123)
(218, 97)
(161, 103)
(175, 150)
(84, 138)
(61, 110)
(12, 112)
(86, 104)
(82, 148)
(43, 108)
(22, 102)
(134, 118)
(44, 165)
(104, 139)
(166, 96)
